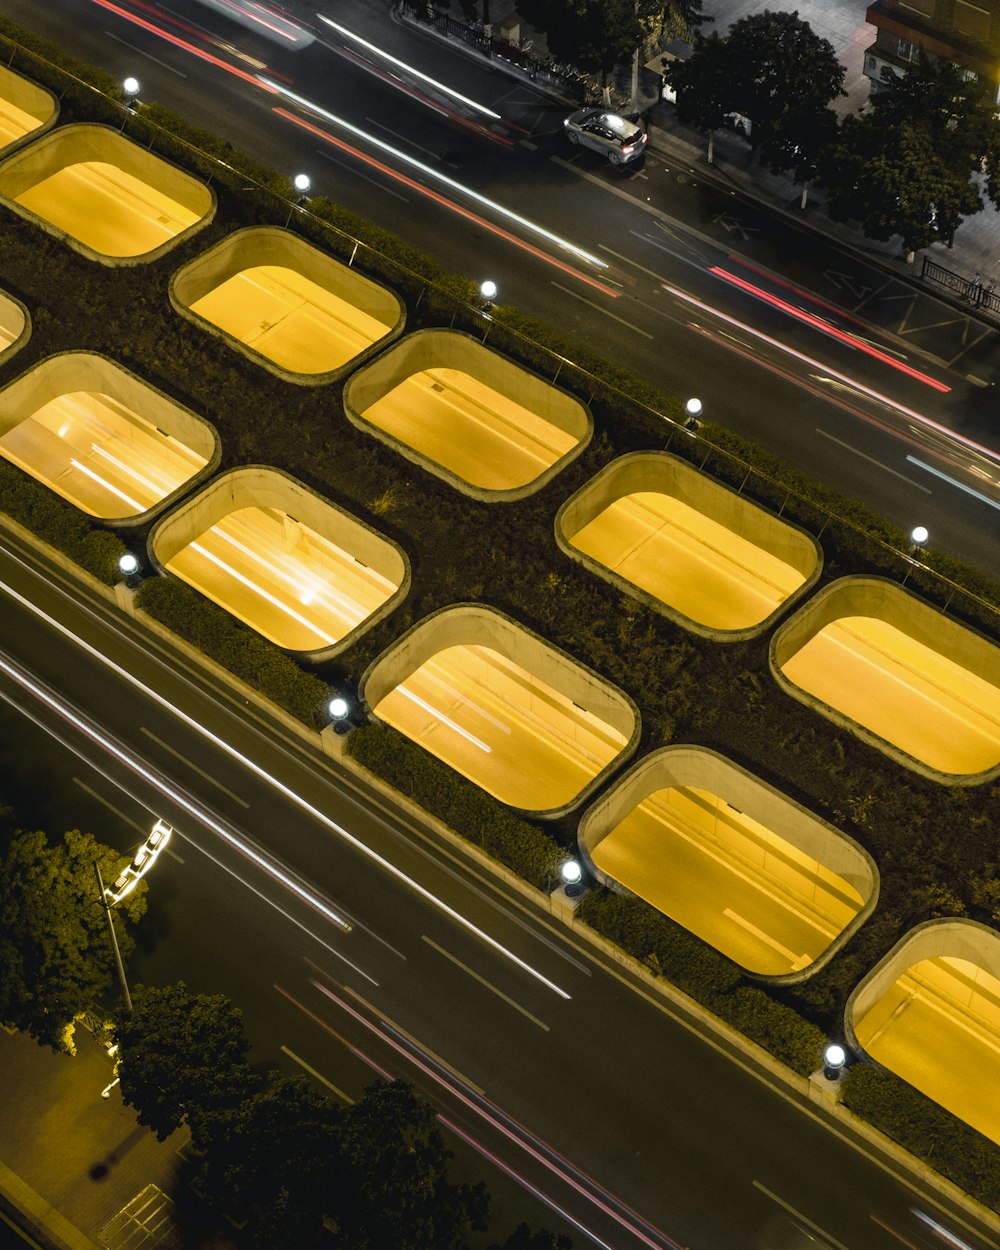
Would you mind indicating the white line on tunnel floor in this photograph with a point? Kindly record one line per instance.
(482, 981)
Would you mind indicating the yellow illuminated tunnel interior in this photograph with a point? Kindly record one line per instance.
(938, 1027)
(753, 895)
(480, 435)
(501, 726)
(915, 697)
(11, 322)
(290, 319)
(688, 560)
(300, 589)
(96, 436)
(108, 193)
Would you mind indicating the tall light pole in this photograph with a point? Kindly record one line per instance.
(126, 881)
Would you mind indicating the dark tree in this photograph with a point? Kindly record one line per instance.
(796, 143)
(276, 1159)
(398, 1193)
(704, 84)
(522, 1238)
(182, 1056)
(55, 951)
(781, 65)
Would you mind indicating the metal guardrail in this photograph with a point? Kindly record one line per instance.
(566, 79)
(982, 295)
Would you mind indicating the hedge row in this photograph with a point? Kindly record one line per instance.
(242, 651)
(950, 1146)
(60, 524)
(706, 976)
(520, 846)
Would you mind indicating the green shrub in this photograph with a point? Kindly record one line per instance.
(522, 847)
(243, 652)
(58, 523)
(925, 1129)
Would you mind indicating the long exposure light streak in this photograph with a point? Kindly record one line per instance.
(509, 1128)
(926, 422)
(285, 790)
(821, 324)
(409, 69)
(82, 725)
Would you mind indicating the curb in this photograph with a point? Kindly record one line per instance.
(41, 1214)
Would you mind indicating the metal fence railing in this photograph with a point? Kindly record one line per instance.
(981, 294)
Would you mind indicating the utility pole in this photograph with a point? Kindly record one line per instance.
(114, 937)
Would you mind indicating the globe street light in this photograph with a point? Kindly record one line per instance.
(692, 410)
(302, 183)
(834, 1061)
(131, 88)
(571, 872)
(488, 290)
(919, 537)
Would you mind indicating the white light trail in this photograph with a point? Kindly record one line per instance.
(370, 47)
(286, 791)
(367, 137)
(926, 422)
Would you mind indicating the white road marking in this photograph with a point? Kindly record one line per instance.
(482, 981)
(838, 1245)
(132, 824)
(194, 767)
(969, 490)
(871, 460)
(419, 1046)
(590, 304)
(317, 1076)
(435, 156)
(357, 173)
(132, 48)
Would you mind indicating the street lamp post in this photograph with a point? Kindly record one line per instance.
(131, 89)
(114, 938)
(126, 881)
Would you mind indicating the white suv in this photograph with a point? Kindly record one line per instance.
(615, 137)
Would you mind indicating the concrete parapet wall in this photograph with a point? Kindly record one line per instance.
(661, 473)
(25, 97)
(958, 938)
(259, 486)
(271, 245)
(15, 325)
(698, 768)
(86, 371)
(451, 349)
(88, 142)
(885, 601)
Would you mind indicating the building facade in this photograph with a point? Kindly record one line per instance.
(964, 31)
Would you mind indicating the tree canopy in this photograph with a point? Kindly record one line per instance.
(909, 165)
(181, 1056)
(55, 952)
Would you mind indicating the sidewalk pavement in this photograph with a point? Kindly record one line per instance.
(78, 1171)
(976, 248)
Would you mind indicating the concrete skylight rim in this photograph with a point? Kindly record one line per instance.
(234, 239)
(25, 333)
(175, 498)
(650, 764)
(434, 467)
(43, 126)
(597, 782)
(218, 483)
(616, 468)
(841, 719)
(53, 136)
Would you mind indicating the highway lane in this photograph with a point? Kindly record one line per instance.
(799, 408)
(692, 1138)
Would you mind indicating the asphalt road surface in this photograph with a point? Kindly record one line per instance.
(640, 1129)
(843, 371)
